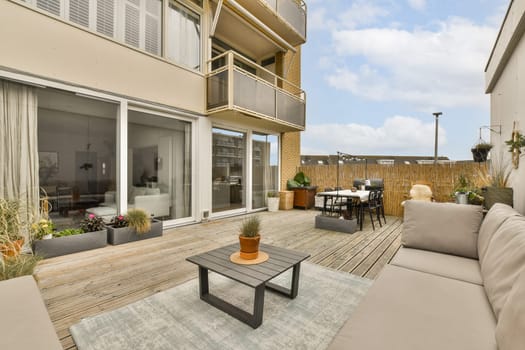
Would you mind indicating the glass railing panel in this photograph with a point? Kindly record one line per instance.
(253, 94)
(218, 90)
(292, 12)
(290, 109)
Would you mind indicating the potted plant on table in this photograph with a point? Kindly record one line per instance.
(135, 225)
(91, 234)
(273, 201)
(249, 238)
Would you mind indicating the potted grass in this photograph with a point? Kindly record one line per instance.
(91, 234)
(273, 201)
(134, 226)
(249, 238)
(17, 266)
(11, 226)
(495, 184)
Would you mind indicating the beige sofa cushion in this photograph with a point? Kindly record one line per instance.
(445, 265)
(497, 214)
(503, 261)
(442, 227)
(411, 310)
(510, 331)
(24, 322)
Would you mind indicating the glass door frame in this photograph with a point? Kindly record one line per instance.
(248, 165)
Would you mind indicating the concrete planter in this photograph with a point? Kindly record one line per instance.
(127, 234)
(333, 223)
(273, 203)
(49, 248)
(495, 195)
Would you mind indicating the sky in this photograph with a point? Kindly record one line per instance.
(374, 71)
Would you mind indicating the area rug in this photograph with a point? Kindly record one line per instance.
(178, 319)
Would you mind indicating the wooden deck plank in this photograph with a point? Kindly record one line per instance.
(89, 283)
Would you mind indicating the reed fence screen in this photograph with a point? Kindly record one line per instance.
(398, 179)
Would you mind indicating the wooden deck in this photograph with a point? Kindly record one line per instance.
(93, 282)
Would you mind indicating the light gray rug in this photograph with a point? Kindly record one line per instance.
(178, 319)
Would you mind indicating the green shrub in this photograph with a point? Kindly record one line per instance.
(69, 232)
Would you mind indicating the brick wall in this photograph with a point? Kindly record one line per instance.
(289, 66)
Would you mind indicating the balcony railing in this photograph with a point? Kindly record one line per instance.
(292, 11)
(236, 83)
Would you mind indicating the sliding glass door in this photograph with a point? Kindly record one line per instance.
(265, 168)
(228, 170)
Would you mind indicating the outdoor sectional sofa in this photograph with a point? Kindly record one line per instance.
(457, 283)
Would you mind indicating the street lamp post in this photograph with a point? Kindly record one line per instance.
(436, 114)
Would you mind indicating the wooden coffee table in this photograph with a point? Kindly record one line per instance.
(255, 276)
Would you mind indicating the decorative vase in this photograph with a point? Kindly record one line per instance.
(249, 247)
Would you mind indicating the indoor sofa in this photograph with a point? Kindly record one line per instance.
(151, 200)
(458, 282)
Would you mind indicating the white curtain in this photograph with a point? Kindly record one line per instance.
(19, 146)
(183, 45)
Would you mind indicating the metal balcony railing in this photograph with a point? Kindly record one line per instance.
(292, 11)
(236, 83)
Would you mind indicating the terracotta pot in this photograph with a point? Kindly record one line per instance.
(249, 247)
(12, 249)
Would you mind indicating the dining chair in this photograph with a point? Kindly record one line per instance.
(372, 207)
(380, 205)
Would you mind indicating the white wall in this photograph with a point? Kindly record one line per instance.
(508, 97)
(39, 44)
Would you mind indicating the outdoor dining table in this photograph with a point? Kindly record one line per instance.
(348, 194)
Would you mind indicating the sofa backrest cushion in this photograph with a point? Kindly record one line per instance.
(503, 261)
(497, 214)
(510, 330)
(442, 227)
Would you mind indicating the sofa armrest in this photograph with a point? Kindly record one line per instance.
(25, 323)
(156, 205)
(442, 227)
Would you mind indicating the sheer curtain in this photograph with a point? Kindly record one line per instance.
(183, 45)
(19, 146)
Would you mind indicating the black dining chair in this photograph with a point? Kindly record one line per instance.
(372, 207)
(380, 205)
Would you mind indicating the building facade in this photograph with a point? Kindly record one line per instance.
(505, 82)
(189, 109)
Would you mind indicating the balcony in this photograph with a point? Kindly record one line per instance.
(286, 17)
(253, 91)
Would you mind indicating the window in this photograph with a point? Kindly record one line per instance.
(183, 36)
(135, 22)
(265, 168)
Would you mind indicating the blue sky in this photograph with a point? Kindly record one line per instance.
(374, 71)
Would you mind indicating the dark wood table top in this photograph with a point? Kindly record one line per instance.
(218, 260)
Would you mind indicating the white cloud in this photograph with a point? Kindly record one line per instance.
(417, 4)
(397, 135)
(430, 69)
(360, 13)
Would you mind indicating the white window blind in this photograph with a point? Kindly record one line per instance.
(52, 6)
(106, 17)
(136, 22)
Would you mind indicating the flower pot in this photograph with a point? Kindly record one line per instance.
(249, 247)
(122, 235)
(480, 154)
(461, 198)
(273, 204)
(12, 248)
(49, 248)
(494, 195)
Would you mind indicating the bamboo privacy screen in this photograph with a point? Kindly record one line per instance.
(398, 179)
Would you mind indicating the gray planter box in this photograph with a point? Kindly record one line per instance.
(49, 248)
(127, 234)
(333, 223)
(495, 195)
